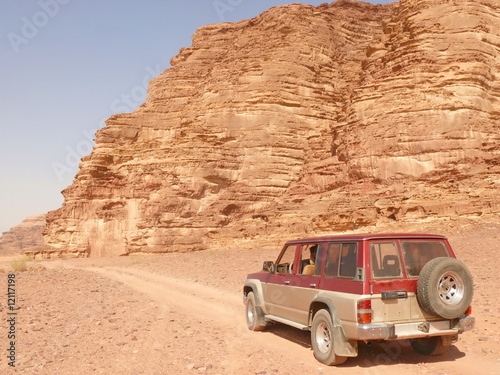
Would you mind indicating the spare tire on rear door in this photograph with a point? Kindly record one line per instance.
(445, 288)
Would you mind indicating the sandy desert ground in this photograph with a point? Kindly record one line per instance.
(183, 314)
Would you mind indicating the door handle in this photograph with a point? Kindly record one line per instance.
(313, 285)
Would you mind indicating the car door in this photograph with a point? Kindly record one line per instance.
(278, 283)
(387, 278)
(305, 284)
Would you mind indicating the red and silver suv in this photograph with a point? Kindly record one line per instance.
(364, 287)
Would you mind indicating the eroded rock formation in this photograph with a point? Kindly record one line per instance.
(302, 120)
(26, 236)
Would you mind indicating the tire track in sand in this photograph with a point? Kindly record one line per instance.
(218, 307)
(183, 296)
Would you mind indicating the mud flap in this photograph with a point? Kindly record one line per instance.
(260, 316)
(342, 346)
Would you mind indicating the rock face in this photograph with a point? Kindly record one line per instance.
(301, 121)
(26, 236)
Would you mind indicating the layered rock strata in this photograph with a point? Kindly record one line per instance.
(26, 236)
(300, 121)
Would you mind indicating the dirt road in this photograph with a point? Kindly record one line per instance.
(183, 314)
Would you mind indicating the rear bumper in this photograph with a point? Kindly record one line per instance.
(399, 331)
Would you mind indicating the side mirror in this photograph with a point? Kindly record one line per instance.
(268, 266)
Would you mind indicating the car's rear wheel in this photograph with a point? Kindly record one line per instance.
(322, 339)
(436, 345)
(445, 288)
(252, 314)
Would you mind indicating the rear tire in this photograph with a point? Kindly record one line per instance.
(322, 339)
(436, 345)
(252, 315)
(445, 288)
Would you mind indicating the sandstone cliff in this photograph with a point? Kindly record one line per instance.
(301, 121)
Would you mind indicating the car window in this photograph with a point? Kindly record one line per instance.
(285, 262)
(418, 253)
(348, 260)
(310, 259)
(385, 260)
(332, 260)
(341, 260)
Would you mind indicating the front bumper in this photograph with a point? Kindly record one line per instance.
(399, 331)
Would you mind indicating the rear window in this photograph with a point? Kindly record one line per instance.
(418, 253)
(385, 260)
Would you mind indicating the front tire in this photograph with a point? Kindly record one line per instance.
(252, 315)
(322, 339)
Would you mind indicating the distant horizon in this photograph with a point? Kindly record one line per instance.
(67, 66)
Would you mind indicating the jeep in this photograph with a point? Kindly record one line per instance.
(364, 287)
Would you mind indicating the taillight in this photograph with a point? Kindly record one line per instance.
(365, 311)
(468, 311)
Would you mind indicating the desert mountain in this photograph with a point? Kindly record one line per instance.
(26, 236)
(300, 121)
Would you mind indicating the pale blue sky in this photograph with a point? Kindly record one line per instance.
(66, 65)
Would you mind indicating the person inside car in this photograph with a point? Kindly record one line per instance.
(416, 257)
(308, 264)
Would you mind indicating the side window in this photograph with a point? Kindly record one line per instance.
(285, 262)
(385, 260)
(418, 253)
(332, 260)
(341, 260)
(310, 260)
(348, 260)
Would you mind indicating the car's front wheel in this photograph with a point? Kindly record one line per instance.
(322, 339)
(252, 314)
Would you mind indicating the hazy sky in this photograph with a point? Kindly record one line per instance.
(67, 65)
